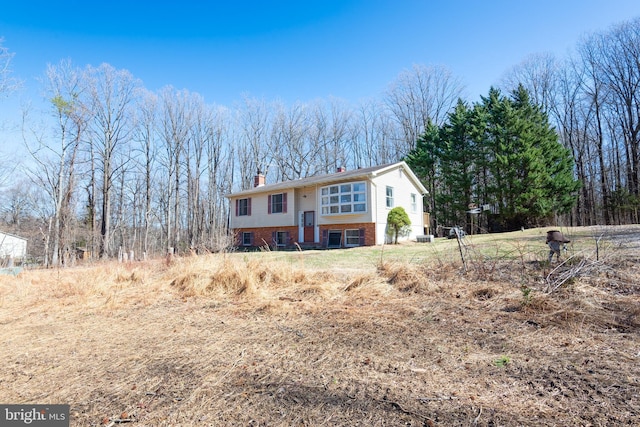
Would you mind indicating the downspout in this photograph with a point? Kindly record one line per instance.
(374, 213)
(316, 227)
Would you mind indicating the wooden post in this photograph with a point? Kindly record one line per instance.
(459, 239)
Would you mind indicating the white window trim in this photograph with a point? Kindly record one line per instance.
(326, 194)
(281, 204)
(389, 198)
(278, 233)
(346, 241)
(246, 206)
(246, 233)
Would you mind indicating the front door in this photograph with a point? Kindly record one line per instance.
(309, 225)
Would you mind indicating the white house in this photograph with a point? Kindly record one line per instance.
(12, 247)
(343, 209)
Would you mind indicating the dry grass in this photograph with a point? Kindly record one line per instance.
(363, 337)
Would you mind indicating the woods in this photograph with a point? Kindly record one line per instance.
(119, 170)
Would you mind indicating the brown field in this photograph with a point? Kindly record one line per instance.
(402, 335)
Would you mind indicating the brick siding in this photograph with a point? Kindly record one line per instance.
(368, 227)
(264, 235)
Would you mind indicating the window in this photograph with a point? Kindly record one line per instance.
(243, 207)
(281, 238)
(352, 237)
(334, 239)
(414, 203)
(247, 239)
(278, 203)
(389, 197)
(344, 198)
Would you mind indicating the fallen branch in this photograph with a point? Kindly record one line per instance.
(559, 275)
(475, 421)
(399, 407)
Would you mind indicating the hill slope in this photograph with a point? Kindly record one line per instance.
(374, 336)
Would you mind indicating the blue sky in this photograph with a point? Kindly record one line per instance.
(292, 50)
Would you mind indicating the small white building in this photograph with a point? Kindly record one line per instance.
(12, 247)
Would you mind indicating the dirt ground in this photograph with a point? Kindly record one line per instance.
(235, 340)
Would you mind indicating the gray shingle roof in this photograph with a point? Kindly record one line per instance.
(362, 173)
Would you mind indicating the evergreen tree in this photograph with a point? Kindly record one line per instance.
(397, 222)
(541, 167)
(502, 152)
(457, 157)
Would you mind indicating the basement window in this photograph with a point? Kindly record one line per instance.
(247, 239)
(352, 237)
(281, 238)
(335, 239)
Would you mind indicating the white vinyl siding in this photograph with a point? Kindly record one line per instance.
(401, 188)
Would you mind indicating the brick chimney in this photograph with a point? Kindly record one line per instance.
(259, 180)
(342, 169)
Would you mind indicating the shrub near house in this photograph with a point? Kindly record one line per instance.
(398, 222)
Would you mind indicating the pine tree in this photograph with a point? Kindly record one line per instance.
(457, 157)
(504, 153)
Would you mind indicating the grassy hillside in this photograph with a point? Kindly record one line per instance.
(487, 333)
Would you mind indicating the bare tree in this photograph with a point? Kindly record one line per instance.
(8, 83)
(252, 150)
(56, 163)
(595, 94)
(16, 203)
(537, 74)
(374, 135)
(289, 143)
(111, 97)
(419, 96)
(220, 161)
(145, 135)
(196, 170)
(621, 74)
(175, 127)
(339, 144)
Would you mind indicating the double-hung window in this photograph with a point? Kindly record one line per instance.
(389, 197)
(247, 239)
(278, 203)
(345, 198)
(243, 207)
